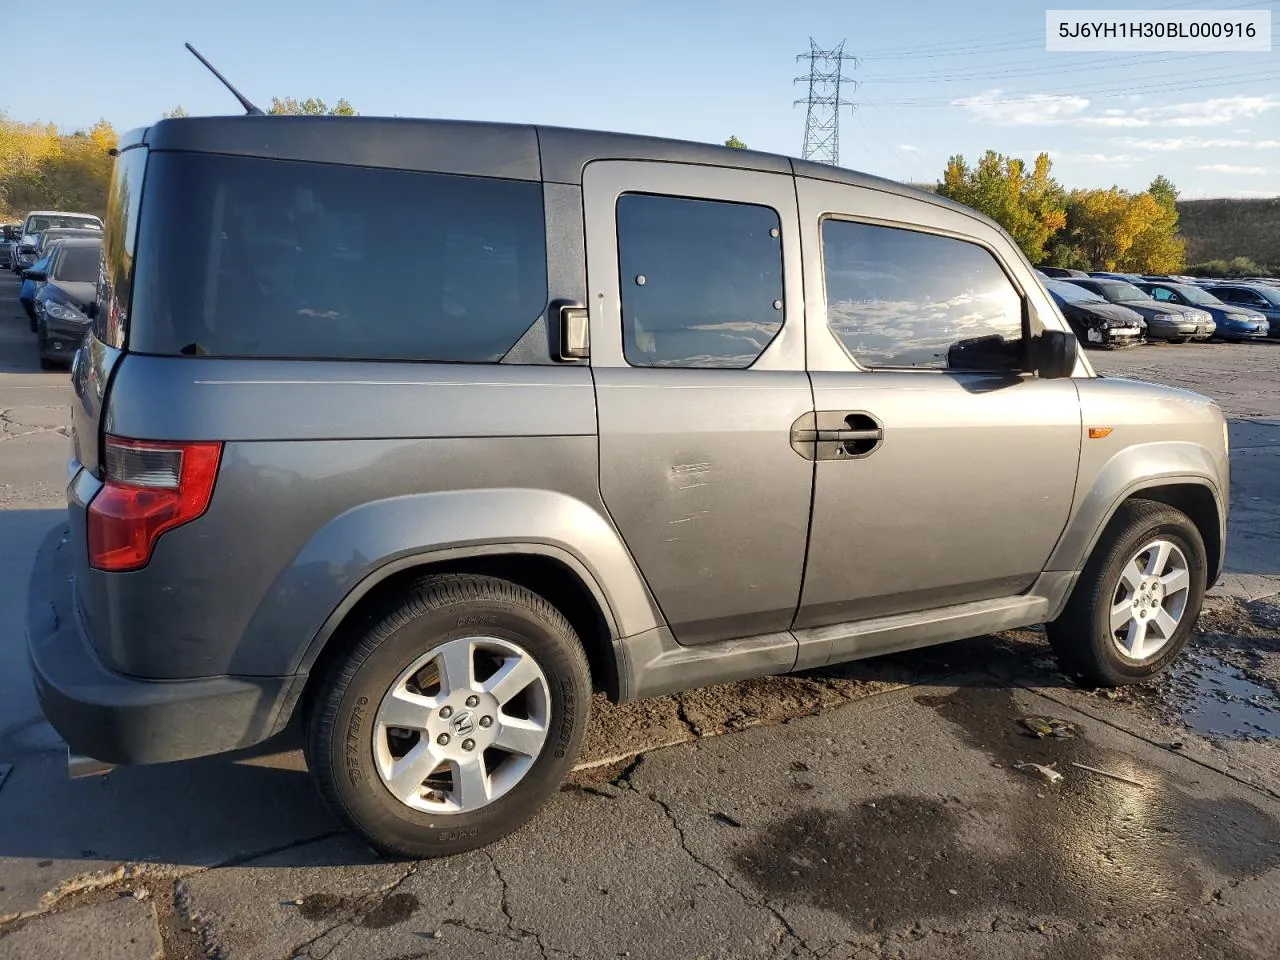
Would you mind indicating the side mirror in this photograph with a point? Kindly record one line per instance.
(1054, 354)
(34, 275)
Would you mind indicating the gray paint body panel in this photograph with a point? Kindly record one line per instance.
(696, 465)
(971, 517)
(226, 399)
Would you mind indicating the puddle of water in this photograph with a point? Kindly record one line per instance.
(1217, 700)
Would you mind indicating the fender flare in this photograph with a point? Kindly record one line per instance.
(355, 551)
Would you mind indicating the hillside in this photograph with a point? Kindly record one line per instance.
(1222, 229)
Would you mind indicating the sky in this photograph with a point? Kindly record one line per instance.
(934, 77)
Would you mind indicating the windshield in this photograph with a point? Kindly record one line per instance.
(1197, 296)
(1270, 294)
(1117, 291)
(39, 224)
(1073, 293)
(78, 264)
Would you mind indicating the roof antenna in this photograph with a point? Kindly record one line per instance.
(249, 108)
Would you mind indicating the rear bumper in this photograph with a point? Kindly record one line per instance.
(122, 720)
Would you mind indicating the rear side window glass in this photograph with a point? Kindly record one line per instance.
(243, 257)
(901, 298)
(701, 281)
(119, 240)
(78, 264)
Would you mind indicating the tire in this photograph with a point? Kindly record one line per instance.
(348, 746)
(1082, 636)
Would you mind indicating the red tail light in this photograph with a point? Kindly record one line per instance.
(149, 487)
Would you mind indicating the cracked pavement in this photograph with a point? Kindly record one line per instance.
(867, 810)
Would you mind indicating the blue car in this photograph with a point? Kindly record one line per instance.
(27, 292)
(1234, 323)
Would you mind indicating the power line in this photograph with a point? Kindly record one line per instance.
(822, 116)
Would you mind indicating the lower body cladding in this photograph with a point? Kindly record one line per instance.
(107, 718)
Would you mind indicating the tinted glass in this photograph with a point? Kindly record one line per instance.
(241, 257)
(1073, 293)
(78, 264)
(119, 241)
(1195, 295)
(898, 298)
(1119, 291)
(1160, 293)
(701, 281)
(37, 224)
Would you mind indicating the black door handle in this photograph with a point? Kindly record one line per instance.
(836, 435)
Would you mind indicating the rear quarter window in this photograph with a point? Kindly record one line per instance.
(243, 257)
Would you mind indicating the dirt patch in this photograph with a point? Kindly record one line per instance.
(1082, 848)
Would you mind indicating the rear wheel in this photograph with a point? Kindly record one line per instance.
(457, 713)
(1137, 600)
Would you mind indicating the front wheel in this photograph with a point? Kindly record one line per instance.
(1137, 600)
(456, 714)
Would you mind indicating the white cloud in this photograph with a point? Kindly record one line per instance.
(1231, 168)
(1194, 143)
(1110, 159)
(1038, 109)
(1043, 109)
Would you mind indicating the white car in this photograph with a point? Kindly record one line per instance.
(40, 220)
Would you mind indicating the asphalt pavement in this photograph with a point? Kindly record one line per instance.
(878, 809)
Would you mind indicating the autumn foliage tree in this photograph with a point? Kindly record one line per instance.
(1098, 229)
(1027, 202)
(312, 107)
(41, 167)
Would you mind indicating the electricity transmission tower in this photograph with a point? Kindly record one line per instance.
(822, 121)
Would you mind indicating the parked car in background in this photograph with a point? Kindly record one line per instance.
(1093, 319)
(1232, 322)
(9, 234)
(38, 221)
(1255, 297)
(64, 301)
(30, 285)
(1165, 321)
(1061, 272)
(61, 233)
(1104, 275)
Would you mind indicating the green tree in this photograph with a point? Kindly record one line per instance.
(735, 143)
(1028, 203)
(178, 111)
(313, 107)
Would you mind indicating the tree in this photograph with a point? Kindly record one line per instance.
(1157, 248)
(41, 167)
(1028, 204)
(314, 107)
(175, 113)
(1134, 232)
(735, 143)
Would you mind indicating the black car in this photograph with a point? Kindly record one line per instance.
(1233, 323)
(63, 305)
(1095, 321)
(1061, 272)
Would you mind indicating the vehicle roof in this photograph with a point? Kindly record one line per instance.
(60, 213)
(73, 242)
(513, 151)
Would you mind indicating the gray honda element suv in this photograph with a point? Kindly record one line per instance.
(419, 431)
